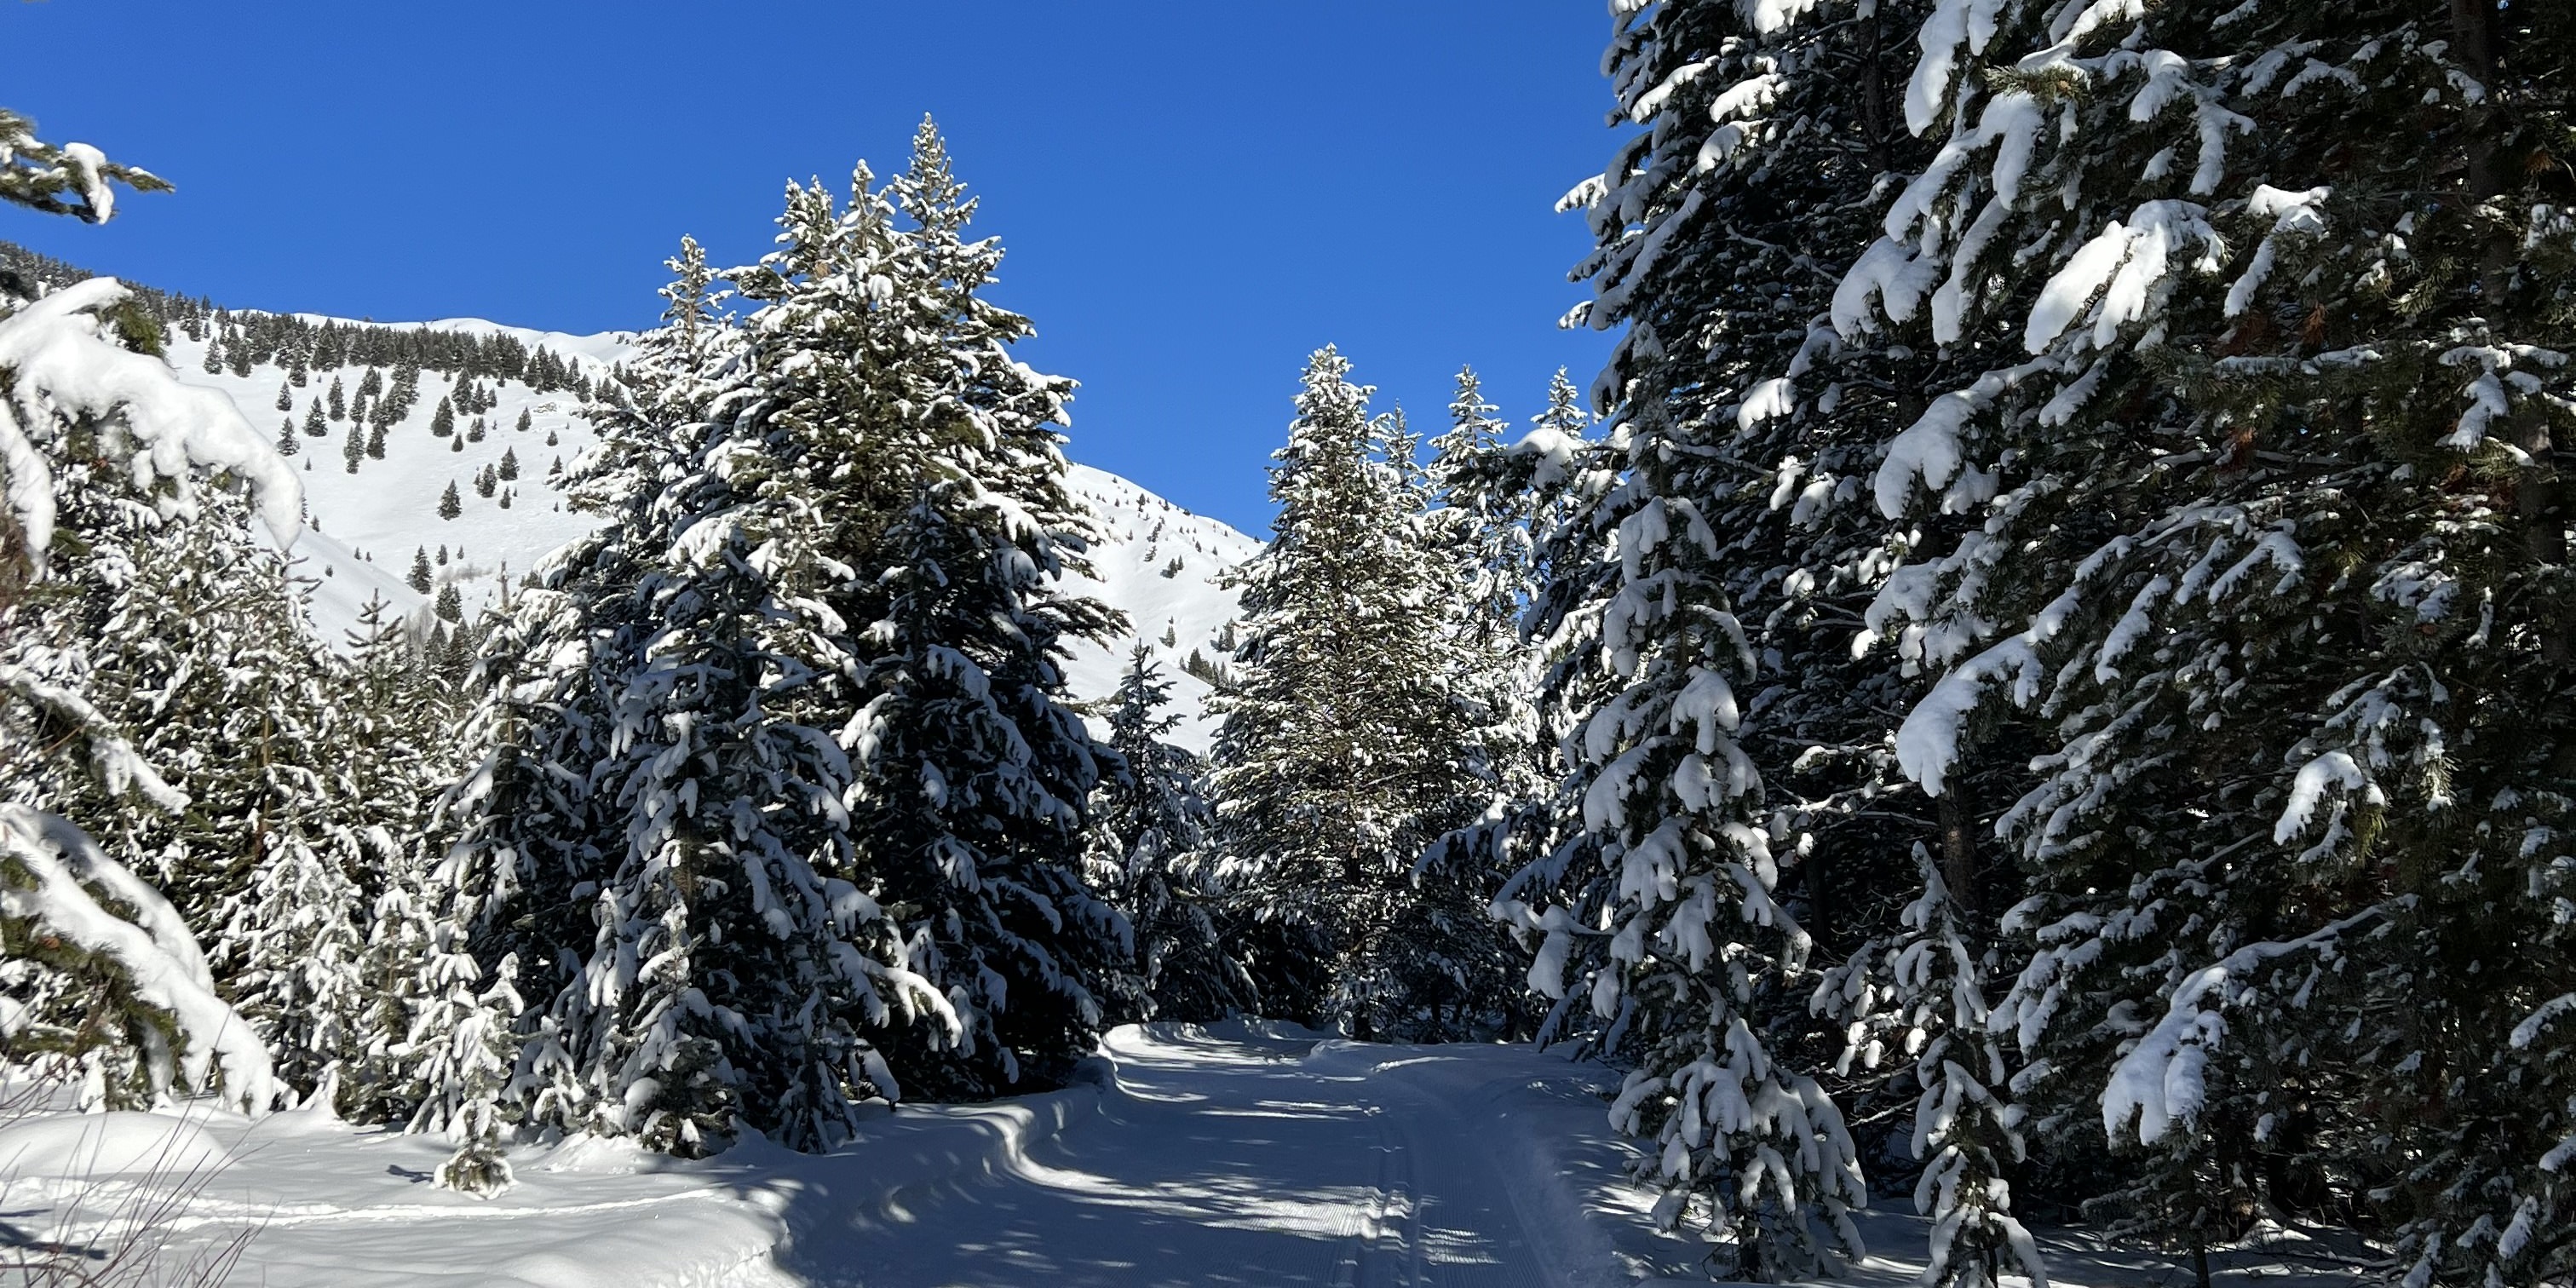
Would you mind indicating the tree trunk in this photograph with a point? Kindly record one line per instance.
(1820, 908)
(2536, 493)
(1959, 847)
(1873, 91)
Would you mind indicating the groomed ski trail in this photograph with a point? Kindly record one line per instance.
(1242, 1156)
(1234, 1154)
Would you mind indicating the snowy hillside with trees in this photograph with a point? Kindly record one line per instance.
(369, 522)
(502, 462)
(2017, 732)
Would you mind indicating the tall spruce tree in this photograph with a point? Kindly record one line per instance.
(529, 821)
(972, 773)
(1480, 537)
(1733, 794)
(828, 792)
(1344, 752)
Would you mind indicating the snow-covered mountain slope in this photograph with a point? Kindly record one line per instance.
(365, 526)
(1157, 562)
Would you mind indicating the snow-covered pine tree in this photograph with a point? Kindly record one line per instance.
(246, 712)
(1485, 528)
(1922, 999)
(2256, 317)
(739, 967)
(962, 816)
(817, 706)
(972, 775)
(306, 778)
(399, 716)
(1150, 857)
(464, 1051)
(1456, 960)
(532, 834)
(1707, 597)
(1341, 666)
(104, 980)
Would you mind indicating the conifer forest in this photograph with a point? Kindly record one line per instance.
(2021, 727)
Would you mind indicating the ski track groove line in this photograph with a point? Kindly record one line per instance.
(1536, 1269)
(1359, 1228)
(1408, 1226)
(226, 1212)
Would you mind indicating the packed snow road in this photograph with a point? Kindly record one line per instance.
(1251, 1160)
(1232, 1155)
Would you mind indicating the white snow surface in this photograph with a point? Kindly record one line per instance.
(72, 1146)
(365, 526)
(1238, 1153)
(1246, 1153)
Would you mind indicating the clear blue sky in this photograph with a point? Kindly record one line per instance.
(1194, 196)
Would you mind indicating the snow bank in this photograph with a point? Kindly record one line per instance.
(919, 1151)
(1234, 1152)
(82, 1146)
